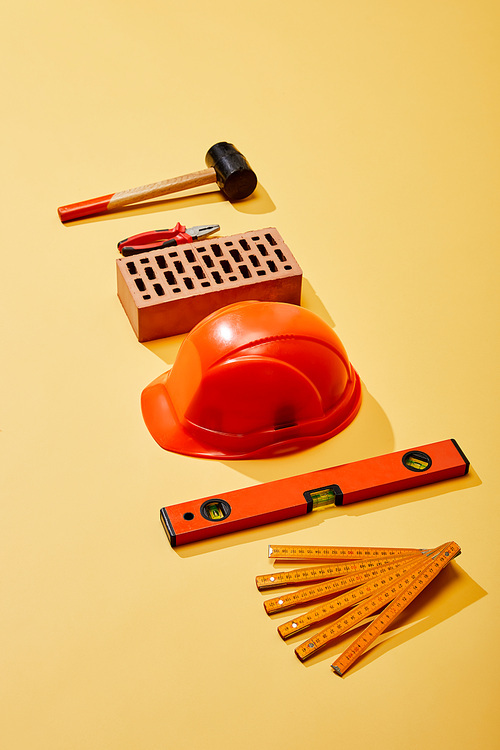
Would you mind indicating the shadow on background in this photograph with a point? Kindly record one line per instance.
(258, 203)
(273, 532)
(370, 434)
(311, 301)
(452, 591)
(165, 349)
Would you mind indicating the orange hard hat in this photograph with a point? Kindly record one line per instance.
(252, 380)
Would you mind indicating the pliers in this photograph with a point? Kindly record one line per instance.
(157, 239)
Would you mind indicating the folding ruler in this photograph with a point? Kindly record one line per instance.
(356, 583)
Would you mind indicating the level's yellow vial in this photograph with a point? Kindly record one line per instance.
(417, 461)
(214, 511)
(322, 498)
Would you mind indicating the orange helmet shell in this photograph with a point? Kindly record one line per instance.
(252, 380)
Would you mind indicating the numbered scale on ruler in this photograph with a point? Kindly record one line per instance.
(353, 584)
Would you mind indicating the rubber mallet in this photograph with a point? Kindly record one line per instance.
(226, 166)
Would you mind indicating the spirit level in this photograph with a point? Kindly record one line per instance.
(295, 496)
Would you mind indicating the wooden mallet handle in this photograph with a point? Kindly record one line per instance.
(226, 166)
(111, 202)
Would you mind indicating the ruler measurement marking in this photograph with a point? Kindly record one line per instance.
(291, 553)
(322, 572)
(333, 586)
(394, 609)
(373, 590)
(355, 616)
(378, 585)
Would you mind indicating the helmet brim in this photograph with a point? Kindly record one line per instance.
(172, 435)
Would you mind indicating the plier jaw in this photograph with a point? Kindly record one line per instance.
(157, 239)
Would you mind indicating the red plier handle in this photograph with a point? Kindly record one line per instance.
(154, 240)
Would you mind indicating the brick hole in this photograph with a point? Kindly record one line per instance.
(144, 261)
(262, 250)
(160, 259)
(226, 266)
(189, 256)
(255, 239)
(261, 273)
(280, 254)
(207, 261)
(233, 278)
(141, 286)
(205, 283)
(216, 250)
(146, 296)
(272, 266)
(188, 282)
(131, 267)
(150, 273)
(228, 243)
(178, 266)
(217, 277)
(235, 254)
(245, 271)
(244, 244)
(288, 268)
(171, 280)
(199, 272)
(176, 290)
(270, 239)
(254, 261)
(173, 255)
(159, 290)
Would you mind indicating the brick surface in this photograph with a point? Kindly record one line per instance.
(167, 292)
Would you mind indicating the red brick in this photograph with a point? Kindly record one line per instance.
(162, 298)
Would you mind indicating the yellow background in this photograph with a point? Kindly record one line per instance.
(374, 130)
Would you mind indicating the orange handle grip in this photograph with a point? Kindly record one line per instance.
(92, 207)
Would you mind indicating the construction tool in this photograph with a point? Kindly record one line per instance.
(159, 239)
(321, 573)
(226, 166)
(390, 613)
(359, 613)
(295, 496)
(333, 586)
(379, 594)
(167, 291)
(300, 553)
